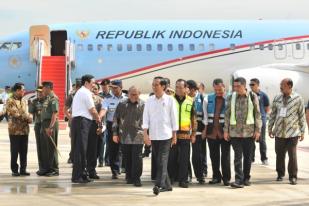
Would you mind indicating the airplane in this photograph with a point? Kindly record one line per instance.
(137, 51)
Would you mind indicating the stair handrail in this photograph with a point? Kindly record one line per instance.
(38, 58)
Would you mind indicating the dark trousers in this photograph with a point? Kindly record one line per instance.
(80, 132)
(197, 157)
(37, 132)
(283, 145)
(92, 149)
(134, 161)
(161, 149)
(242, 149)
(102, 147)
(153, 166)
(204, 157)
(71, 155)
(114, 156)
(18, 146)
(220, 150)
(49, 152)
(179, 159)
(262, 143)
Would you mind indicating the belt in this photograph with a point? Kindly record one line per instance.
(81, 117)
(183, 132)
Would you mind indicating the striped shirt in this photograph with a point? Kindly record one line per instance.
(287, 118)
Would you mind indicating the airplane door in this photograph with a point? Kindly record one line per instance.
(36, 33)
(280, 50)
(58, 39)
(298, 50)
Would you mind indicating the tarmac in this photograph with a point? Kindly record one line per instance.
(35, 190)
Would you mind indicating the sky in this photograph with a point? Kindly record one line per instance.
(19, 15)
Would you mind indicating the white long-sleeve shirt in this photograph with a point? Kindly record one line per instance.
(160, 117)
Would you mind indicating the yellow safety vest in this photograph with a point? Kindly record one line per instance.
(250, 115)
(184, 114)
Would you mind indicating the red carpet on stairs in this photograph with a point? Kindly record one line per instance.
(54, 70)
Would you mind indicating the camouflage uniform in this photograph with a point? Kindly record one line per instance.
(18, 131)
(35, 108)
(49, 156)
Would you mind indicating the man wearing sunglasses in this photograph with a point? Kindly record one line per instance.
(264, 109)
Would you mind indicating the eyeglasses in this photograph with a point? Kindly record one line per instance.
(251, 85)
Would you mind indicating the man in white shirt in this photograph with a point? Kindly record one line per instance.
(83, 112)
(160, 117)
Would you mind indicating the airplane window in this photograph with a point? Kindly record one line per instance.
(280, 47)
(90, 47)
(270, 47)
(180, 47)
(16, 45)
(100, 47)
(159, 47)
(129, 47)
(201, 47)
(119, 47)
(138, 47)
(170, 47)
(252, 47)
(211, 46)
(261, 46)
(308, 46)
(192, 47)
(298, 46)
(5, 46)
(232, 46)
(80, 47)
(148, 47)
(109, 47)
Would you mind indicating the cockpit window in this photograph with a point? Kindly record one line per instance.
(16, 45)
(5, 46)
(8, 46)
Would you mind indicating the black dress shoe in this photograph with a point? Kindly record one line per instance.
(201, 181)
(226, 183)
(247, 183)
(214, 181)
(138, 183)
(237, 185)
(100, 165)
(40, 173)
(24, 173)
(279, 179)
(156, 190)
(114, 176)
(51, 174)
(15, 174)
(183, 184)
(94, 176)
(293, 181)
(163, 189)
(80, 181)
(129, 182)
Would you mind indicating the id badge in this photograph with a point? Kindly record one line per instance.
(283, 112)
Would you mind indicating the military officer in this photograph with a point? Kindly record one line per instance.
(35, 108)
(49, 131)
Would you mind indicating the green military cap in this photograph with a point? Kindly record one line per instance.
(39, 89)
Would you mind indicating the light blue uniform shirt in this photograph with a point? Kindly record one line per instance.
(110, 104)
